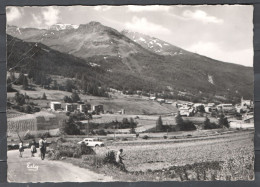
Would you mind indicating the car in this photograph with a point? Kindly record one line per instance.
(92, 142)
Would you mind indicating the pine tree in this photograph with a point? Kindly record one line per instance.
(25, 83)
(75, 97)
(178, 119)
(159, 124)
(223, 122)
(44, 96)
(207, 123)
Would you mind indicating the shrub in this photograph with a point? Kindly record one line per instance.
(28, 136)
(187, 126)
(110, 158)
(145, 137)
(165, 137)
(101, 132)
(61, 149)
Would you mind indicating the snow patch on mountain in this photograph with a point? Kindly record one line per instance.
(18, 30)
(94, 64)
(210, 79)
(60, 26)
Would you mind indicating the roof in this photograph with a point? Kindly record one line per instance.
(55, 102)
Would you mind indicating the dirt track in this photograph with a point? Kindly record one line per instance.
(48, 171)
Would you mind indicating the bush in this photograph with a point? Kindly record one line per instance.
(187, 126)
(211, 126)
(45, 134)
(101, 132)
(165, 137)
(61, 149)
(145, 137)
(110, 158)
(28, 136)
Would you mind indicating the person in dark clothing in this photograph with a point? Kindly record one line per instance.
(42, 146)
(33, 148)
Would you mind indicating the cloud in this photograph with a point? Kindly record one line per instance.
(13, 13)
(37, 20)
(216, 51)
(200, 15)
(148, 8)
(51, 15)
(102, 8)
(143, 26)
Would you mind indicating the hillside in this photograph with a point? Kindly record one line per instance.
(154, 44)
(125, 62)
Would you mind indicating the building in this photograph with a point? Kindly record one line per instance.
(98, 108)
(161, 100)
(71, 107)
(210, 107)
(225, 107)
(186, 111)
(152, 98)
(55, 106)
(83, 108)
(247, 103)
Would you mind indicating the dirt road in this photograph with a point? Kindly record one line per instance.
(33, 169)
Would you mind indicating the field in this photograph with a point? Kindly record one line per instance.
(131, 104)
(228, 156)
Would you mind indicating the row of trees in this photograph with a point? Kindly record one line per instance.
(72, 99)
(189, 126)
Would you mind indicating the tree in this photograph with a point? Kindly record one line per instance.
(223, 122)
(178, 119)
(206, 122)
(75, 97)
(69, 127)
(55, 85)
(19, 99)
(67, 99)
(44, 97)
(69, 86)
(159, 124)
(201, 108)
(20, 79)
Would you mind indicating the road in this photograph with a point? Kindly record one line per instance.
(33, 169)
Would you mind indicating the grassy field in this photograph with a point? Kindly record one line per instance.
(131, 104)
(227, 156)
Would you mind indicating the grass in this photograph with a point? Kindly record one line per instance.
(228, 157)
(132, 104)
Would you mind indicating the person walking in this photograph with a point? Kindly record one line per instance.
(119, 159)
(42, 146)
(21, 148)
(33, 148)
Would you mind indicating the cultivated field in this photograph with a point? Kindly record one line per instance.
(226, 157)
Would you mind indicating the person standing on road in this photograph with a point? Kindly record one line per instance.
(33, 148)
(119, 159)
(21, 149)
(42, 146)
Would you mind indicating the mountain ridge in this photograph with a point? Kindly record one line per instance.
(124, 59)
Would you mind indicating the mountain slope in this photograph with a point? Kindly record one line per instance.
(154, 44)
(123, 63)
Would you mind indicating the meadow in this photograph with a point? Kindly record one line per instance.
(226, 157)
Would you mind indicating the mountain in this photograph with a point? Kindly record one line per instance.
(60, 26)
(154, 44)
(133, 61)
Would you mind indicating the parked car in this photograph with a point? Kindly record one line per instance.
(92, 142)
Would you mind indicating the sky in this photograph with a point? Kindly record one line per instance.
(222, 32)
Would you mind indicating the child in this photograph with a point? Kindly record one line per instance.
(21, 149)
(33, 148)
